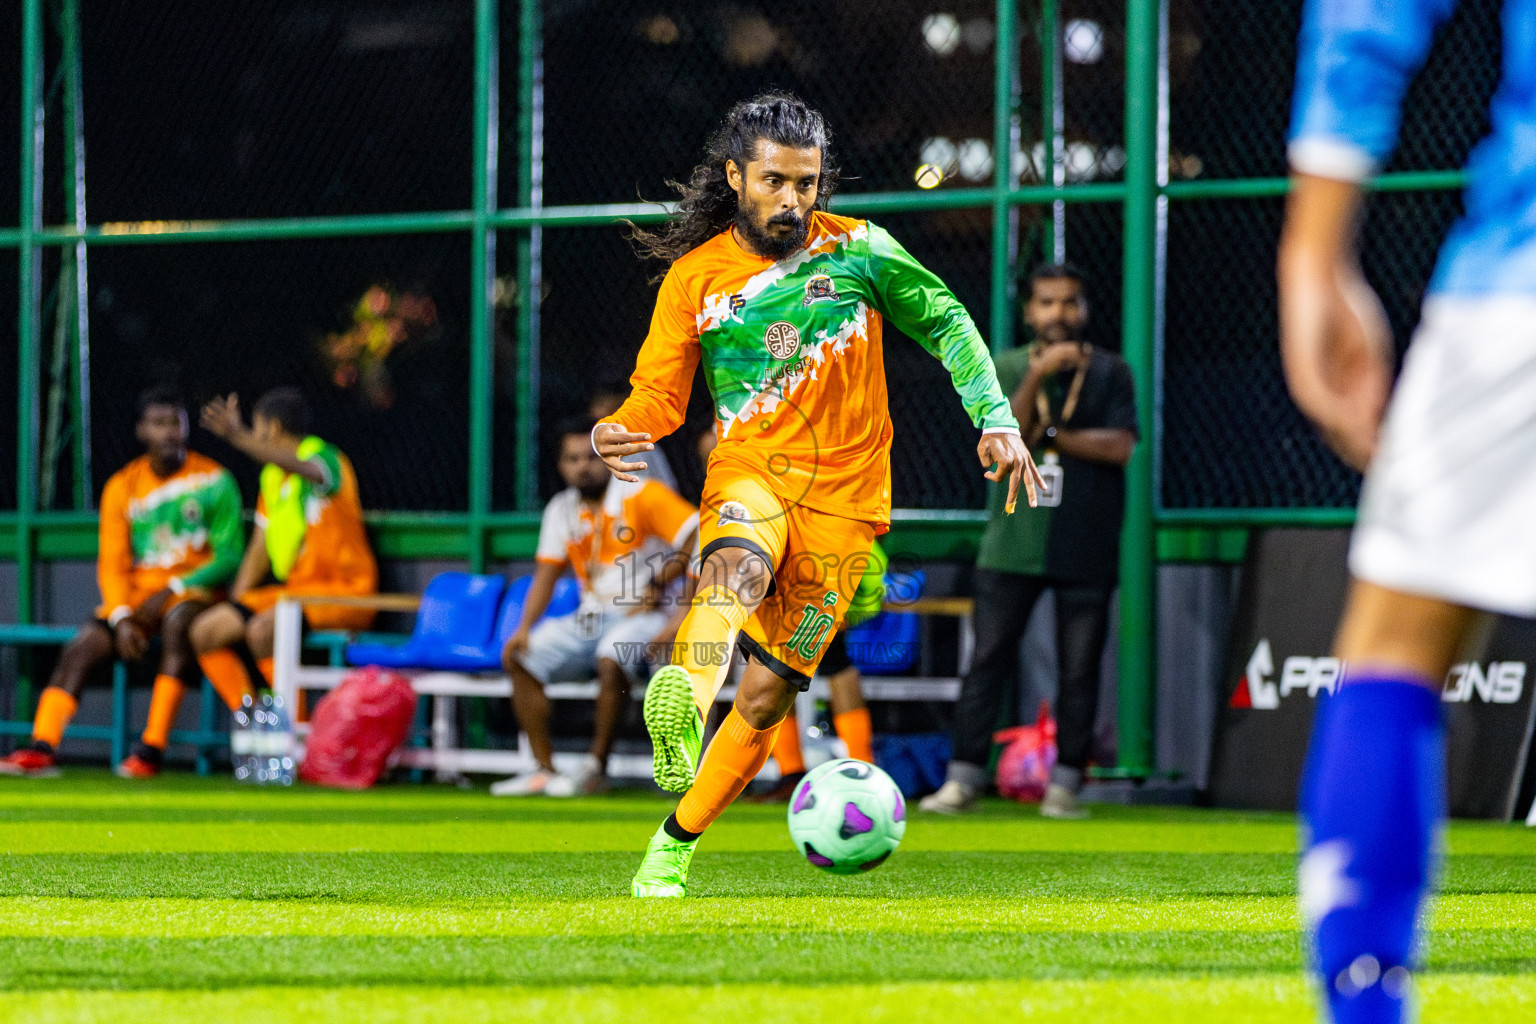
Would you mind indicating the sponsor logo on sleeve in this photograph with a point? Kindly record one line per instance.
(732, 512)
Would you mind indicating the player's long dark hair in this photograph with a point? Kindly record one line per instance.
(708, 203)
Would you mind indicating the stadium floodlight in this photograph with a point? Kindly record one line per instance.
(1082, 41)
(1082, 161)
(939, 151)
(976, 160)
(942, 33)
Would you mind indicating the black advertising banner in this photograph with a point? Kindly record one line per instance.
(1293, 588)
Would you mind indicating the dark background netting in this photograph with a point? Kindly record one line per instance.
(8, 296)
(1231, 437)
(249, 316)
(269, 108)
(10, 186)
(1232, 68)
(634, 90)
(360, 106)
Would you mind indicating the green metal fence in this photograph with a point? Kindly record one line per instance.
(1147, 212)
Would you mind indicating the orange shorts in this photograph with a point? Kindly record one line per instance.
(817, 558)
(318, 616)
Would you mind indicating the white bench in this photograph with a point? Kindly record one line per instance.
(448, 760)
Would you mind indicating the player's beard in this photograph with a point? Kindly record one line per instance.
(767, 244)
(593, 491)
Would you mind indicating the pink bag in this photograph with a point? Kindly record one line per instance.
(356, 727)
(1029, 754)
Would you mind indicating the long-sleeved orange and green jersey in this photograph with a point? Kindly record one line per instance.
(792, 357)
(154, 529)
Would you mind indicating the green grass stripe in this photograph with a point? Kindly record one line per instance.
(40, 917)
(795, 956)
(1452, 999)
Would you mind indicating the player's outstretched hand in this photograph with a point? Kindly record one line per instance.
(1334, 340)
(612, 442)
(221, 417)
(1009, 458)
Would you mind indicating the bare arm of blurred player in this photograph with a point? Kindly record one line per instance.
(221, 417)
(254, 566)
(1334, 340)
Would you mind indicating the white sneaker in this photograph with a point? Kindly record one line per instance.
(952, 798)
(1061, 803)
(534, 783)
(577, 782)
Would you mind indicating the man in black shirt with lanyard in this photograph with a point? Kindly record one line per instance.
(1076, 407)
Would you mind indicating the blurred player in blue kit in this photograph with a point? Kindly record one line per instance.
(1445, 529)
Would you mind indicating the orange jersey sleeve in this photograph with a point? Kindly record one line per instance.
(114, 547)
(659, 511)
(663, 377)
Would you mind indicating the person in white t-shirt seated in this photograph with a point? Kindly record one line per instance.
(603, 528)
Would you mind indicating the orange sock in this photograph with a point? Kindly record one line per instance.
(735, 756)
(705, 641)
(55, 707)
(227, 675)
(857, 734)
(164, 702)
(786, 747)
(265, 664)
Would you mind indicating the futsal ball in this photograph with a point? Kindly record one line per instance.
(847, 816)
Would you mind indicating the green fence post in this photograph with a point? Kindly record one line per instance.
(29, 300)
(1004, 130)
(483, 271)
(530, 244)
(1138, 635)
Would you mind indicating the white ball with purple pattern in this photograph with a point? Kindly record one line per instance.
(847, 816)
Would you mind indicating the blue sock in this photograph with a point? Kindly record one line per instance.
(1372, 801)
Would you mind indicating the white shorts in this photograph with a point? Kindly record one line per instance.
(1449, 505)
(560, 652)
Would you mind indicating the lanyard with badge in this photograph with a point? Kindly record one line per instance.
(1051, 470)
(589, 615)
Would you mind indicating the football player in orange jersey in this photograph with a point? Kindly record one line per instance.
(784, 304)
(170, 538)
(309, 539)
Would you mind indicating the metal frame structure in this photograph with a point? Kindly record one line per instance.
(478, 534)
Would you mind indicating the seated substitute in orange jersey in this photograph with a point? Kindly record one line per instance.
(784, 306)
(169, 541)
(309, 539)
(626, 543)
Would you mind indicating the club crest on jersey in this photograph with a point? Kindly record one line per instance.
(819, 289)
(782, 339)
(732, 512)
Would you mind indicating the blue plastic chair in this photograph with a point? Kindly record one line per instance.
(564, 600)
(888, 643)
(453, 625)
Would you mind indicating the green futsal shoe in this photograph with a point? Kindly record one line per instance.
(677, 731)
(664, 871)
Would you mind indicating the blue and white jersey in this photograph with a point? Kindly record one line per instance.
(1356, 59)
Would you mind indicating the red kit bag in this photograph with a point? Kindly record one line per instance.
(356, 727)
(1029, 754)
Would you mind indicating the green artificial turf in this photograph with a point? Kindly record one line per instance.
(187, 899)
